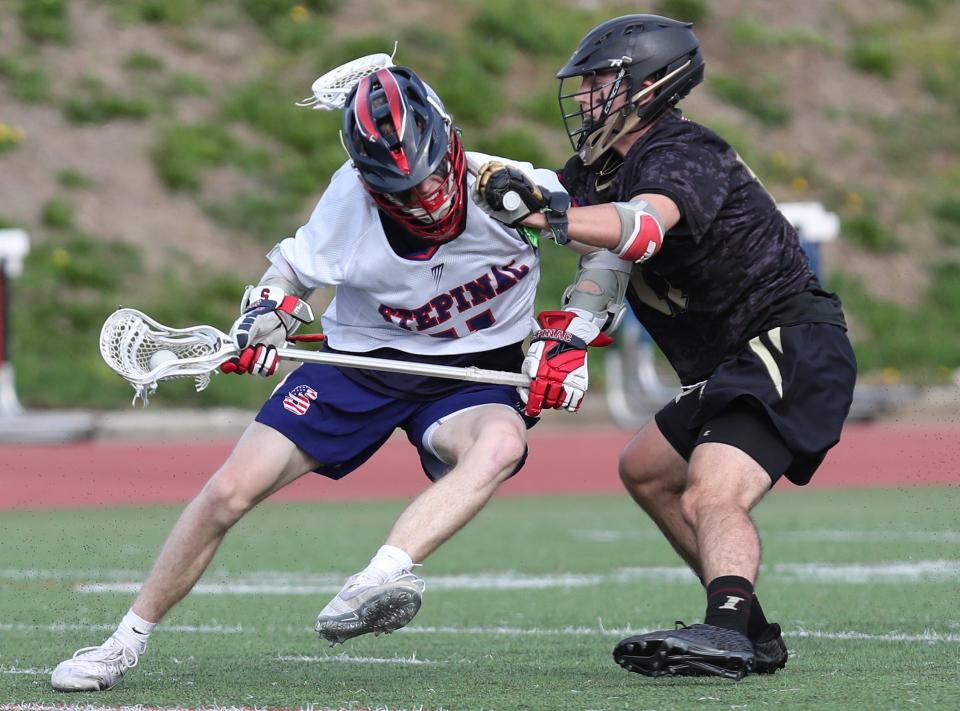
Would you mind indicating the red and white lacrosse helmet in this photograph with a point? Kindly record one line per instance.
(406, 149)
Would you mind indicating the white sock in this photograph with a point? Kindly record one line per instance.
(390, 560)
(134, 631)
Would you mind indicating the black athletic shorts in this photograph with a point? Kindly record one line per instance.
(782, 400)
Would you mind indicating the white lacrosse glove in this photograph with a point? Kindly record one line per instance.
(268, 317)
(557, 362)
(509, 195)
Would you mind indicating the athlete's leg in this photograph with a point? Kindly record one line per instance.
(262, 462)
(655, 475)
(724, 484)
(707, 515)
(485, 444)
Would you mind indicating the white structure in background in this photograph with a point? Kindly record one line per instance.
(16, 424)
(815, 225)
(14, 246)
(636, 388)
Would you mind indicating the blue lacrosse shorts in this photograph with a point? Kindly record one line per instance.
(341, 423)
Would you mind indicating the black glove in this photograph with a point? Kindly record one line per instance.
(509, 196)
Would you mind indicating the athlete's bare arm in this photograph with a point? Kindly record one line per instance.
(602, 226)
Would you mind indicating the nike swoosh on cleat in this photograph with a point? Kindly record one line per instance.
(137, 631)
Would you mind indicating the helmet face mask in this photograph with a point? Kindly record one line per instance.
(587, 101)
(432, 210)
(407, 153)
(653, 61)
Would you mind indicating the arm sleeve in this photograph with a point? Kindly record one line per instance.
(599, 290)
(278, 274)
(318, 254)
(541, 176)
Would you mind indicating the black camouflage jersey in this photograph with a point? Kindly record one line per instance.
(732, 266)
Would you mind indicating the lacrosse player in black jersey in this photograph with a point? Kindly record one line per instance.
(720, 281)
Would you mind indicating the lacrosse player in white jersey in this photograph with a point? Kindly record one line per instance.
(421, 274)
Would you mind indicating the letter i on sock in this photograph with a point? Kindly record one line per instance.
(729, 599)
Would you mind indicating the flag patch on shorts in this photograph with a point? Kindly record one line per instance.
(298, 400)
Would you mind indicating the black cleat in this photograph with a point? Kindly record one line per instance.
(769, 651)
(639, 652)
(688, 651)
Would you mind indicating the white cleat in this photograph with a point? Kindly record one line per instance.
(369, 604)
(94, 668)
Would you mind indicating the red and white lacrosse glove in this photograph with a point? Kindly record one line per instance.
(268, 317)
(557, 361)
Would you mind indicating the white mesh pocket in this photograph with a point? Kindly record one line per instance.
(145, 352)
(330, 91)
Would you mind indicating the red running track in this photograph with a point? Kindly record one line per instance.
(561, 461)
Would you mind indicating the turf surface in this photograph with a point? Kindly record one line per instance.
(522, 608)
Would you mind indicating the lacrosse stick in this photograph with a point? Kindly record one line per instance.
(330, 90)
(144, 352)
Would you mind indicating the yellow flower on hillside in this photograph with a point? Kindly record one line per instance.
(890, 376)
(10, 136)
(60, 257)
(299, 13)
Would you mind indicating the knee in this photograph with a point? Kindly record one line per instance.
(700, 498)
(690, 502)
(646, 481)
(502, 446)
(634, 474)
(225, 499)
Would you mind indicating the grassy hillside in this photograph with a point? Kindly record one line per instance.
(153, 150)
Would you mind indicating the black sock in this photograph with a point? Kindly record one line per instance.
(729, 599)
(757, 624)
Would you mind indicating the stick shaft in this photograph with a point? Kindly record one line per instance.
(473, 374)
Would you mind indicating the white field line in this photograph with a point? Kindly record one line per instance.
(894, 571)
(98, 707)
(84, 627)
(204, 707)
(286, 583)
(816, 535)
(411, 660)
(928, 636)
(80, 574)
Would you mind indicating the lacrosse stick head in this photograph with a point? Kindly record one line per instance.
(144, 352)
(330, 90)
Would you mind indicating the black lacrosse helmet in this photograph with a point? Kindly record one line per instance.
(406, 149)
(630, 49)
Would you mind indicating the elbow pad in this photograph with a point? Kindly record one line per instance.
(284, 278)
(641, 231)
(598, 293)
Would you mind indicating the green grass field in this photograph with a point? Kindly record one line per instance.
(521, 611)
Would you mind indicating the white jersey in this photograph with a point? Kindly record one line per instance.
(473, 294)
